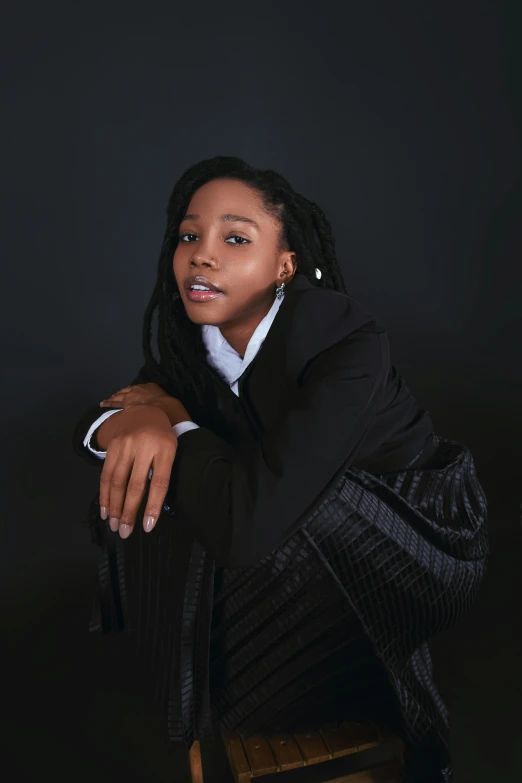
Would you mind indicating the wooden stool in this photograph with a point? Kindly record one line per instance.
(281, 752)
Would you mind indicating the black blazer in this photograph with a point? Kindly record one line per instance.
(320, 395)
(325, 451)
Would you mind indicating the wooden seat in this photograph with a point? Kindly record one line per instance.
(259, 756)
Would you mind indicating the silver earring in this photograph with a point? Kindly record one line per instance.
(280, 290)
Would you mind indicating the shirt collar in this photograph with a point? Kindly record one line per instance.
(225, 358)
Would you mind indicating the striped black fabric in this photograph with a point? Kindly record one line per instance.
(334, 623)
(296, 655)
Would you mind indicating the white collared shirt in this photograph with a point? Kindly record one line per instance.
(222, 356)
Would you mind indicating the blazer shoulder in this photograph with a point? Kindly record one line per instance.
(323, 317)
(329, 307)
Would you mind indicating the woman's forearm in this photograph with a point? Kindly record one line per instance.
(172, 407)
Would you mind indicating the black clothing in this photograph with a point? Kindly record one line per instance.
(320, 394)
(330, 488)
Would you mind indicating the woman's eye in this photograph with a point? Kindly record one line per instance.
(235, 236)
(232, 236)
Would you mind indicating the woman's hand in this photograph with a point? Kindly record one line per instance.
(144, 439)
(148, 394)
(141, 394)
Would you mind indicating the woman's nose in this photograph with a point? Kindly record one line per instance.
(202, 258)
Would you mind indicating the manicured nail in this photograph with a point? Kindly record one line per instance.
(114, 523)
(103, 512)
(125, 531)
(149, 524)
(101, 403)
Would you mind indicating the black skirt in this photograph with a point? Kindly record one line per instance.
(332, 625)
(288, 652)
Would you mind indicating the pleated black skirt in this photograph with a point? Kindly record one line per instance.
(287, 650)
(332, 625)
(288, 653)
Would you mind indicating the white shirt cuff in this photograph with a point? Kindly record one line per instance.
(184, 426)
(94, 426)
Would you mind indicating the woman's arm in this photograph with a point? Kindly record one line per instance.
(91, 414)
(242, 501)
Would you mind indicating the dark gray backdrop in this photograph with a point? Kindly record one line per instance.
(402, 120)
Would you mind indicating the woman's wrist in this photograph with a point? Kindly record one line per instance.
(174, 409)
(102, 435)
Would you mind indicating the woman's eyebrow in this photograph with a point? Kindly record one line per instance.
(226, 218)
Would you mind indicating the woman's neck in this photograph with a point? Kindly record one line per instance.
(238, 335)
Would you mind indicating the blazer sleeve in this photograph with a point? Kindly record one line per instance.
(243, 500)
(92, 413)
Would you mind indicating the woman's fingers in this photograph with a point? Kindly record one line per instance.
(159, 484)
(113, 401)
(135, 490)
(123, 483)
(139, 459)
(120, 391)
(118, 396)
(113, 483)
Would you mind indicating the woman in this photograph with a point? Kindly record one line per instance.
(304, 531)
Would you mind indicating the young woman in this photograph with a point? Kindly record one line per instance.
(278, 525)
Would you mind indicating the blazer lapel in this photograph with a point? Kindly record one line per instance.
(264, 384)
(310, 320)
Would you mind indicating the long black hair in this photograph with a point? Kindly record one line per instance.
(304, 230)
(183, 368)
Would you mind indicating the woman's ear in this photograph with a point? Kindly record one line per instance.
(288, 264)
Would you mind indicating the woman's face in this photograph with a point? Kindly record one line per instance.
(228, 238)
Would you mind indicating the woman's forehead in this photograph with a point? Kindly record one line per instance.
(226, 192)
(228, 200)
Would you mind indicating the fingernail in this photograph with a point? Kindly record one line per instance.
(149, 524)
(103, 512)
(125, 531)
(101, 403)
(114, 524)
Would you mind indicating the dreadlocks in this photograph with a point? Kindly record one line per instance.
(304, 230)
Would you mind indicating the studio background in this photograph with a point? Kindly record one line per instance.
(403, 121)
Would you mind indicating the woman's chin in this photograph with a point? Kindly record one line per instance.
(203, 312)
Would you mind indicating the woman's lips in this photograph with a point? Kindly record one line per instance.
(202, 296)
